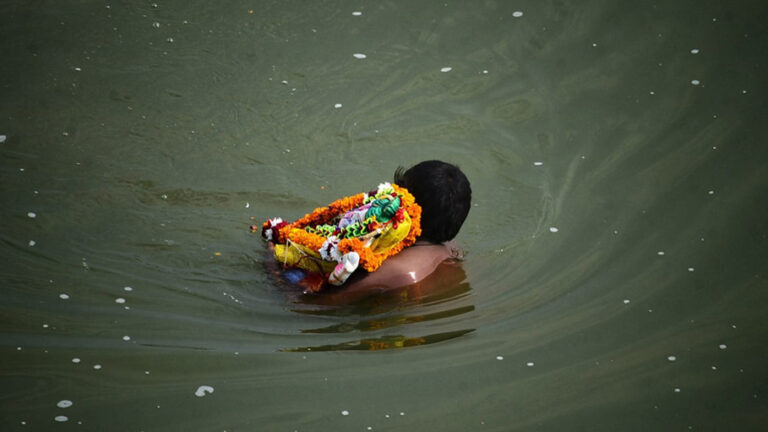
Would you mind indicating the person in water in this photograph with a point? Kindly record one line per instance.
(444, 194)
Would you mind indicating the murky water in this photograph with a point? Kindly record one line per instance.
(615, 276)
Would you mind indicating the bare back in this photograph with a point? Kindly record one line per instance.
(408, 267)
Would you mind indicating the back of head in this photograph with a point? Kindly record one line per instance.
(444, 194)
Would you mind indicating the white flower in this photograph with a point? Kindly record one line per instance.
(385, 188)
(329, 251)
(268, 232)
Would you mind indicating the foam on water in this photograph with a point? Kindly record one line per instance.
(203, 390)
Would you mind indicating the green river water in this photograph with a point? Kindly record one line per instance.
(615, 276)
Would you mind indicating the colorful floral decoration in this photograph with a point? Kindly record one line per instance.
(362, 230)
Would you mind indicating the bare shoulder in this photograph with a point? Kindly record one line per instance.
(409, 266)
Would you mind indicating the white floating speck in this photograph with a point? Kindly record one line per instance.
(553, 229)
(203, 390)
(530, 364)
(45, 325)
(64, 403)
(338, 105)
(78, 69)
(64, 296)
(714, 367)
(723, 346)
(660, 253)
(31, 215)
(446, 69)
(594, 45)
(485, 71)
(626, 301)
(344, 412)
(517, 14)
(357, 13)
(695, 51)
(120, 300)
(156, 24)
(61, 419)
(712, 192)
(677, 389)
(169, 40)
(128, 288)
(652, 93)
(76, 360)
(359, 55)
(126, 338)
(402, 413)
(690, 269)
(247, 205)
(538, 163)
(742, 92)
(499, 357)
(2, 138)
(695, 82)
(97, 366)
(671, 358)
(32, 243)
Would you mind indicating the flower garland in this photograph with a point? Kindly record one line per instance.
(282, 232)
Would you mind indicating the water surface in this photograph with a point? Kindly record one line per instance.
(616, 247)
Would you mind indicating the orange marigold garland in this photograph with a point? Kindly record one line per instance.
(360, 230)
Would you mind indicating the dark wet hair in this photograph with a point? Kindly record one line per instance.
(444, 194)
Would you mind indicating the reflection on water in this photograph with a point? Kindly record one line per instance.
(385, 342)
(440, 298)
